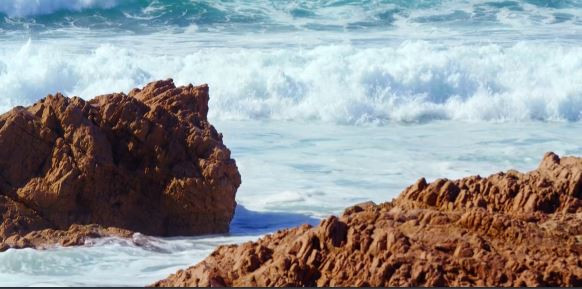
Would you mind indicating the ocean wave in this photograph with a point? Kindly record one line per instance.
(415, 81)
(21, 8)
(363, 16)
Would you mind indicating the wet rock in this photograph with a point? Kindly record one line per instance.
(148, 162)
(75, 235)
(510, 229)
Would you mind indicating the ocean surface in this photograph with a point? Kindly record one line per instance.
(323, 104)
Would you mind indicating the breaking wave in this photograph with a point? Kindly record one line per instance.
(21, 8)
(518, 18)
(331, 83)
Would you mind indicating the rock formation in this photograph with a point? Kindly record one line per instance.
(148, 162)
(510, 229)
(76, 235)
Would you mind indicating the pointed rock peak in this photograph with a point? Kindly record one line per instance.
(549, 159)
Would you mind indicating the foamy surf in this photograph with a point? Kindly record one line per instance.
(323, 104)
(295, 173)
(344, 84)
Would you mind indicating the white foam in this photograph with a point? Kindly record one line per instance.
(19, 8)
(414, 81)
(320, 169)
(111, 262)
(302, 170)
(506, 69)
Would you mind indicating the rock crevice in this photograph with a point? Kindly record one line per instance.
(509, 229)
(148, 162)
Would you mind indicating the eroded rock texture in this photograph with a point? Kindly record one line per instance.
(75, 235)
(510, 229)
(148, 162)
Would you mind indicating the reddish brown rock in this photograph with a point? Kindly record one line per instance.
(555, 187)
(76, 235)
(148, 162)
(510, 229)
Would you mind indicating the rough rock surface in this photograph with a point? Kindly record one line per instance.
(510, 229)
(76, 235)
(148, 162)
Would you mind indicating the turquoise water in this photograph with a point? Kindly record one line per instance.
(323, 103)
(345, 62)
(324, 16)
(294, 173)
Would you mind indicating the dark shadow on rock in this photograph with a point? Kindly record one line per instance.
(247, 222)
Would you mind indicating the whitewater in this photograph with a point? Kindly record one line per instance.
(323, 104)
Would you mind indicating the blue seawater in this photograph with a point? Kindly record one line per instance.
(323, 103)
(340, 61)
(233, 16)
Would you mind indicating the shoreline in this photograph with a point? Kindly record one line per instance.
(420, 201)
(127, 174)
(509, 229)
(423, 205)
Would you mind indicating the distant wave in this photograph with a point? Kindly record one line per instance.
(145, 16)
(20, 8)
(416, 81)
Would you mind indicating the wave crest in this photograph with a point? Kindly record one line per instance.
(416, 81)
(21, 8)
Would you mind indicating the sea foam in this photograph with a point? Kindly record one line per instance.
(414, 81)
(296, 172)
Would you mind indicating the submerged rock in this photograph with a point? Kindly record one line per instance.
(510, 229)
(76, 235)
(148, 162)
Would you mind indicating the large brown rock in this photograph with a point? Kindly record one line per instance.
(510, 229)
(148, 162)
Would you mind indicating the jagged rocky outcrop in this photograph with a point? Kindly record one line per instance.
(510, 229)
(148, 162)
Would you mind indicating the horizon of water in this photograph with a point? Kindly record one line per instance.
(323, 104)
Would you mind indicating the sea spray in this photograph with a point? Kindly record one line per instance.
(343, 84)
(438, 88)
